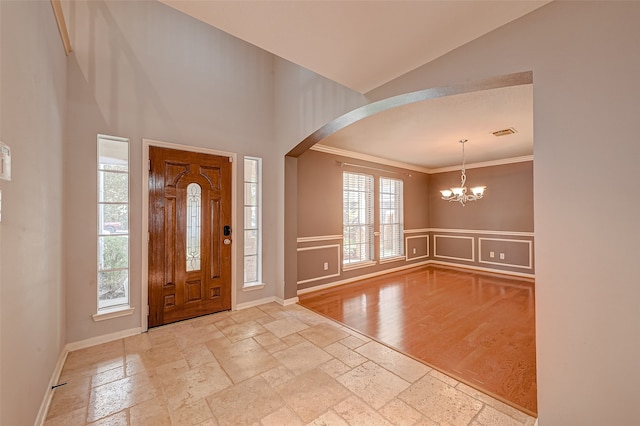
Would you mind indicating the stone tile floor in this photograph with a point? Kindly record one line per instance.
(267, 365)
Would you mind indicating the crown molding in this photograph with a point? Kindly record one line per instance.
(499, 162)
(379, 160)
(366, 157)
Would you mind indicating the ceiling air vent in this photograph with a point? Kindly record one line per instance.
(504, 132)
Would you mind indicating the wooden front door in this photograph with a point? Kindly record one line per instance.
(189, 235)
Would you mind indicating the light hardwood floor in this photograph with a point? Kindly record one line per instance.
(478, 328)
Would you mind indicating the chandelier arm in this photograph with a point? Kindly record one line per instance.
(460, 194)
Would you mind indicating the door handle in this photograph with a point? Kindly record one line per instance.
(226, 230)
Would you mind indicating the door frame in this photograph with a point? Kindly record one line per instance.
(146, 144)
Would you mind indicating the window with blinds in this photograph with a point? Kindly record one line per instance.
(357, 210)
(391, 218)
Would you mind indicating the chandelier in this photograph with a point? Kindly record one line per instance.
(459, 193)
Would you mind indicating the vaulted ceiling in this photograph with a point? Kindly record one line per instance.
(364, 44)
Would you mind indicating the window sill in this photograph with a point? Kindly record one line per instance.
(392, 259)
(120, 311)
(253, 286)
(352, 266)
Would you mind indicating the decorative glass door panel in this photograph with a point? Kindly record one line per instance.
(194, 225)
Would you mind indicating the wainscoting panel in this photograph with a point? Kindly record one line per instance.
(416, 247)
(506, 252)
(313, 260)
(454, 247)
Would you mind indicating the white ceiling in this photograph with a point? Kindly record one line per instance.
(364, 44)
(426, 133)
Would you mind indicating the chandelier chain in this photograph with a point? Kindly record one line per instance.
(460, 194)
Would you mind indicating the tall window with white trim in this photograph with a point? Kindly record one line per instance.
(113, 223)
(391, 218)
(252, 221)
(357, 211)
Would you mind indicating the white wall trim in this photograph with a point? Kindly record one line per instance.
(425, 230)
(413, 265)
(322, 277)
(392, 259)
(481, 269)
(500, 162)
(416, 231)
(115, 313)
(287, 302)
(253, 303)
(264, 301)
(359, 156)
(529, 266)
(435, 247)
(146, 143)
(319, 238)
(105, 338)
(319, 247)
(361, 277)
(253, 287)
(359, 265)
(48, 395)
(485, 232)
(406, 244)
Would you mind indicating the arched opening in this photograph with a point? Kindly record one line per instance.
(498, 238)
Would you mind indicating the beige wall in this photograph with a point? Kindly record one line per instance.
(506, 206)
(502, 222)
(305, 102)
(138, 70)
(32, 114)
(585, 62)
(320, 192)
(319, 214)
(506, 211)
(143, 70)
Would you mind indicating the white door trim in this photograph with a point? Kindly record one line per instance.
(146, 143)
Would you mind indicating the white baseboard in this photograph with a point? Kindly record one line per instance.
(48, 395)
(536, 423)
(93, 341)
(362, 277)
(287, 302)
(481, 269)
(253, 303)
(414, 265)
(69, 347)
(279, 301)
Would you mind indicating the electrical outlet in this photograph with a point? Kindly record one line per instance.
(501, 256)
(492, 254)
(326, 266)
(414, 250)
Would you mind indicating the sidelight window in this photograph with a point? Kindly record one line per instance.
(113, 223)
(252, 222)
